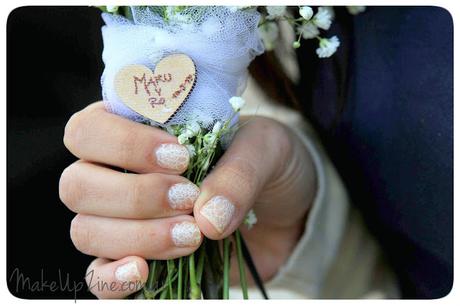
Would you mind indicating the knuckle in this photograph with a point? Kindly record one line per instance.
(73, 130)
(137, 191)
(93, 275)
(274, 140)
(273, 131)
(280, 138)
(129, 145)
(79, 234)
(78, 126)
(237, 176)
(69, 187)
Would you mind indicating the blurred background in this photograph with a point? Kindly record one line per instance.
(53, 68)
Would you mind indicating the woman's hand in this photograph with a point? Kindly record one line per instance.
(125, 218)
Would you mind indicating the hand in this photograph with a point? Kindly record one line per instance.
(125, 218)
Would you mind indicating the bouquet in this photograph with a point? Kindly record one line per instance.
(183, 69)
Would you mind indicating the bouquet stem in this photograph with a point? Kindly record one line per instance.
(179, 280)
(226, 268)
(239, 253)
(195, 291)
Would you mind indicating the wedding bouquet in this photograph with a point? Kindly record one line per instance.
(183, 69)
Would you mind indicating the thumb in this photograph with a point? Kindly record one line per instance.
(256, 156)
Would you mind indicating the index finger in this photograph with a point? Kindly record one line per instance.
(96, 135)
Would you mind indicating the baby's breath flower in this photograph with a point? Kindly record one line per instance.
(275, 11)
(355, 10)
(191, 150)
(237, 103)
(192, 128)
(111, 8)
(306, 12)
(269, 34)
(323, 18)
(209, 140)
(331, 11)
(308, 30)
(251, 219)
(216, 128)
(182, 138)
(327, 46)
(238, 7)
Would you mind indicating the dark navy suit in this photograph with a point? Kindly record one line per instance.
(384, 109)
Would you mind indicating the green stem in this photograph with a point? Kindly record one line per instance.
(179, 280)
(226, 268)
(151, 277)
(170, 267)
(200, 266)
(185, 286)
(155, 269)
(163, 294)
(239, 253)
(195, 292)
(162, 290)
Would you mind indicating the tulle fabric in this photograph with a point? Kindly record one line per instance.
(222, 42)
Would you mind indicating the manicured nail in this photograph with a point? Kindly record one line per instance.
(183, 195)
(172, 156)
(219, 211)
(128, 272)
(186, 234)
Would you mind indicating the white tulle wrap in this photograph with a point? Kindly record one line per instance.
(221, 42)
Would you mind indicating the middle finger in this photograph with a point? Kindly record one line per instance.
(95, 190)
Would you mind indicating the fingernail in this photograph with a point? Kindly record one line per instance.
(183, 195)
(128, 272)
(219, 211)
(186, 234)
(172, 156)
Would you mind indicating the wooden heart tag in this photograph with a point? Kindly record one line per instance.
(157, 95)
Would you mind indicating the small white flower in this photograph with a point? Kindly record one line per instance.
(191, 150)
(308, 30)
(275, 11)
(269, 34)
(251, 219)
(306, 12)
(233, 9)
(203, 117)
(174, 16)
(182, 138)
(192, 128)
(323, 18)
(111, 8)
(327, 47)
(237, 103)
(209, 140)
(216, 128)
(355, 10)
(331, 11)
